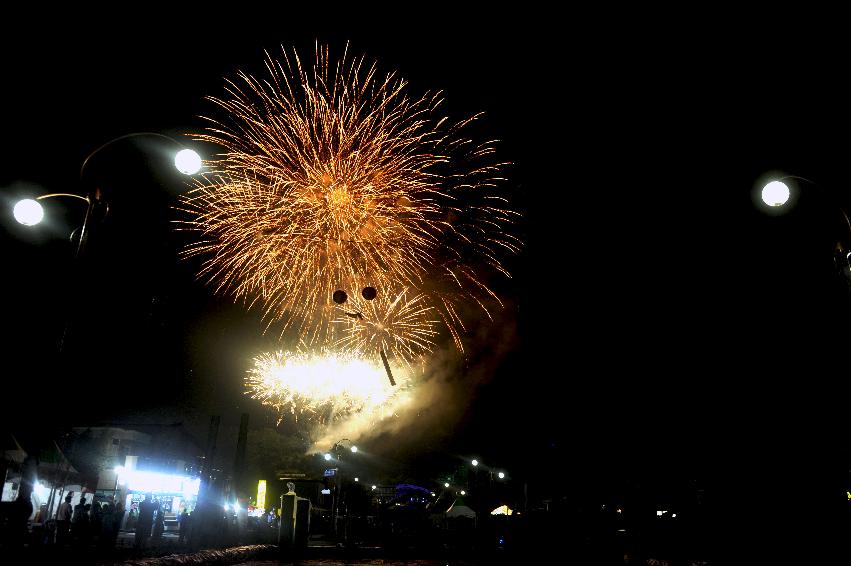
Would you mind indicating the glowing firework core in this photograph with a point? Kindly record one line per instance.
(321, 388)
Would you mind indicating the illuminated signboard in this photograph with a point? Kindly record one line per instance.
(261, 494)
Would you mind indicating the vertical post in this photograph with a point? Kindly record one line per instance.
(210, 452)
(239, 459)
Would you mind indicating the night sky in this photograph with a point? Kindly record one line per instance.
(658, 325)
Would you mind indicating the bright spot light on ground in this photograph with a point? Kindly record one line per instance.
(775, 193)
(28, 212)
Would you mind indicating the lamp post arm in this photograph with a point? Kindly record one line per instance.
(124, 137)
(52, 195)
(830, 195)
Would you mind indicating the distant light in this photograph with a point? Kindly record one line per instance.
(28, 212)
(187, 162)
(227, 507)
(463, 492)
(326, 492)
(446, 484)
(373, 487)
(674, 516)
(775, 193)
(659, 513)
(475, 462)
(501, 475)
(432, 494)
(356, 479)
(354, 448)
(327, 457)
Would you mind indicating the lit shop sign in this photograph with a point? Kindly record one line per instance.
(157, 482)
(261, 494)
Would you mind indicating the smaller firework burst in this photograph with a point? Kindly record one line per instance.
(323, 387)
(402, 327)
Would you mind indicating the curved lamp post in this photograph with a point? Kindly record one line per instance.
(29, 212)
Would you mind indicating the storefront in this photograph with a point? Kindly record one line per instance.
(171, 492)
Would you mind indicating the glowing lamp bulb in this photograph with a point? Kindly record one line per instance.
(775, 193)
(475, 462)
(28, 212)
(327, 457)
(501, 475)
(187, 162)
(354, 448)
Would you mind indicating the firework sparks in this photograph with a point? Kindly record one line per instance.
(323, 387)
(337, 179)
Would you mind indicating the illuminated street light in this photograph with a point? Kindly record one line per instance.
(327, 457)
(775, 193)
(446, 484)
(354, 449)
(187, 161)
(475, 462)
(463, 492)
(501, 475)
(357, 479)
(373, 487)
(29, 212)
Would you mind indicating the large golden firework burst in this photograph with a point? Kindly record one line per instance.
(334, 178)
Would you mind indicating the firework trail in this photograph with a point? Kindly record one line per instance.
(334, 178)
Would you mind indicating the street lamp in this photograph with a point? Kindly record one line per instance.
(775, 193)
(29, 212)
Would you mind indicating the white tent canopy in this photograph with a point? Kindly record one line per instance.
(460, 509)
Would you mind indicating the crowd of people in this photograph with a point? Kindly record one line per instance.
(88, 522)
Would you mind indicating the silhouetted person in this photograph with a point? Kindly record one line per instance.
(79, 520)
(107, 524)
(63, 521)
(184, 521)
(117, 519)
(144, 522)
(159, 522)
(18, 515)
